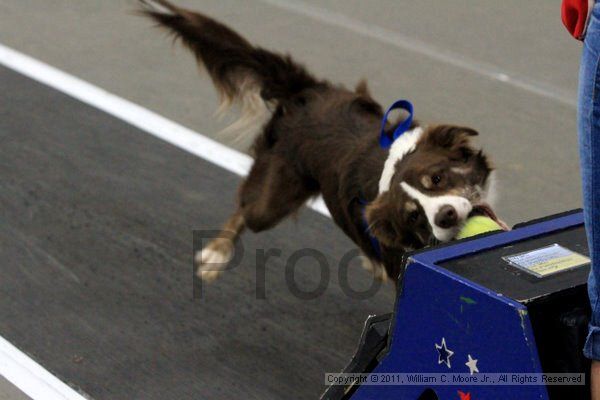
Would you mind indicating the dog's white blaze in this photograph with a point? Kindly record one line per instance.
(400, 148)
(432, 204)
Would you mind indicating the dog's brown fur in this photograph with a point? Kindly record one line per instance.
(321, 138)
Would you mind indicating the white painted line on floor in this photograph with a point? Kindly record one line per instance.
(17, 367)
(408, 43)
(136, 115)
(30, 377)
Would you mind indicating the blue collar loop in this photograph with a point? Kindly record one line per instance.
(385, 141)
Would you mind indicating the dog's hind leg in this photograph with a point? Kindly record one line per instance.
(271, 192)
(213, 258)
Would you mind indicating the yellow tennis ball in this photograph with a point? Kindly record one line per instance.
(477, 225)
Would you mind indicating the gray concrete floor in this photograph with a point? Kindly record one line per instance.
(444, 56)
(96, 220)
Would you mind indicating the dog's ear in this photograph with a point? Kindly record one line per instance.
(450, 136)
(362, 88)
(363, 103)
(379, 219)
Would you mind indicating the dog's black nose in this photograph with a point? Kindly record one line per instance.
(446, 217)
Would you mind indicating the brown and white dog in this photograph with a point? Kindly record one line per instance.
(322, 138)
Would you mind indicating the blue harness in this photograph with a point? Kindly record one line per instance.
(385, 141)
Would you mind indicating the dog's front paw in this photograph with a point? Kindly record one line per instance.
(376, 268)
(213, 259)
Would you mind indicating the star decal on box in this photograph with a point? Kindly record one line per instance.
(472, 364)
(464, 396)
(444, 353)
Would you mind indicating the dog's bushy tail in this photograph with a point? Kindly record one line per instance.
(242, 73)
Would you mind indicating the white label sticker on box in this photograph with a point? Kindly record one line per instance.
(547, 260)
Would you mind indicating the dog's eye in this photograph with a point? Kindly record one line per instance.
(436, 179)
(413, 216)
(466, 155)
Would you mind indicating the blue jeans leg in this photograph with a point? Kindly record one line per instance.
(588, 124)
